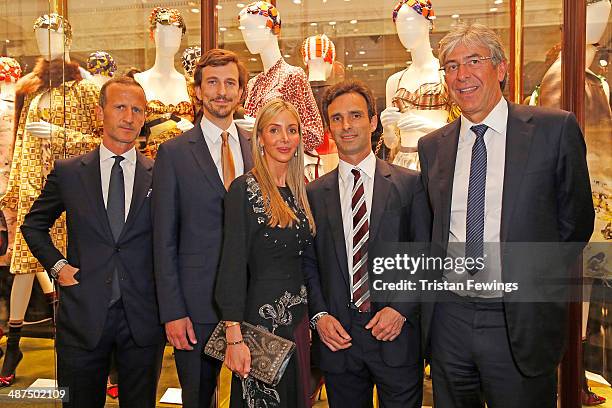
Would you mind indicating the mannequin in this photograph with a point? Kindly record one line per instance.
(101, 66)
(597, 127)
(43, 133)
(10, 72)
(189, 60)
(416, 97)
(170, 106)
(318, 54)
(261, 25)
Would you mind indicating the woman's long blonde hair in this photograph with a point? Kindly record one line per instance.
(278, 212)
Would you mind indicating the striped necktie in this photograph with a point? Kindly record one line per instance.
(474, 223)
(360, 286)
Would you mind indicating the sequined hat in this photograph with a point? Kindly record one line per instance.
(166, 16)
(101, 63)
(190, 58)
(267, 10)
(10, 70)
(423, 7)
(318, 46)
(55, 22)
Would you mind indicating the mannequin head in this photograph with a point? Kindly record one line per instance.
(166, 28)
(53, 35)
(101, 63)
(261, 24)
(596, 19)
(413, 19)
(319, 54)
(10, 70)
(190, 58)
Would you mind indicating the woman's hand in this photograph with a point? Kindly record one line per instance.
(237, 356)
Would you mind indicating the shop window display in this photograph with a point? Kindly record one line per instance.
(369, 45)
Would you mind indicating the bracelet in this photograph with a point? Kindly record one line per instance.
(233, 343)
(231, 324)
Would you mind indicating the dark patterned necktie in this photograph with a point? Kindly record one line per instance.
(361, 233)
(474, 223)
(115, 211)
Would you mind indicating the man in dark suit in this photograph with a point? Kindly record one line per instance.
(191, 175)
(501, 173)
(365, 200)
(107, 300)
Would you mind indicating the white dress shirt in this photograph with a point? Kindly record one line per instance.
(129, 170)
(346, 180)
(495, 141)
(212, 136)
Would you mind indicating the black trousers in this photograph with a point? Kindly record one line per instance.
(396, 386)
(197, 373)
(472, 360)
(84, 372)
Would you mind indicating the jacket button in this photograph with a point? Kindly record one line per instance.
(108, 280)
(117, 249)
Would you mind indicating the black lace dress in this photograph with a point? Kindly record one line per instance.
(260, 281)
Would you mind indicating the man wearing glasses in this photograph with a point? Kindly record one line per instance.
(501, 173)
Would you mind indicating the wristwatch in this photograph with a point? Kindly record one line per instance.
(54, 271)
(315, 320)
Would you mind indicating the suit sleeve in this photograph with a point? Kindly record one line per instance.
(232, 276)
(574, 199)
(47, 208)
(165, 211)
(316, 301)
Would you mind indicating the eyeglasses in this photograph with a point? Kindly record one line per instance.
(473, 64)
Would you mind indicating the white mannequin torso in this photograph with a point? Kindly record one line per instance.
(413, 32)
(163, 82)
(51, 47)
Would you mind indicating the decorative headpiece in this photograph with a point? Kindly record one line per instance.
(267, 10)
(55, 22)
(165, 16)
(423, 7)
(318, 46)
(596, 1)
(101, 63)
(10, 70)
(190, 58)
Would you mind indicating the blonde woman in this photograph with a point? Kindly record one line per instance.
(268, 226)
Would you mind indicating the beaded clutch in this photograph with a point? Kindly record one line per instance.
(270, 353)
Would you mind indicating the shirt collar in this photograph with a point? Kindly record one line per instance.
(213, 132)
(366, 166)
(106, 154)
(497, 119)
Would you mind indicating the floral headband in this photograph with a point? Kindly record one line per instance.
(190, 58)
(165, 16)
(101, 63)
(318, 46)
(267, 10)
(423, 7)
(10, 70)
(55, 22)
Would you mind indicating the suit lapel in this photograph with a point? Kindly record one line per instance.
(334, 216)
(92, 183)
(142, 183)
(382, 187)
(245, 146)
(447, 156)
(202, 155)
(519, 134)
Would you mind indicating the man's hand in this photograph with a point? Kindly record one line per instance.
(65, 276)
(387, 324)
(332, 333)
(180, 333)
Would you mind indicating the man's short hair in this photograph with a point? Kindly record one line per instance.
(472, 35)
(345, 87)
(217, 57)
(123, 80)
